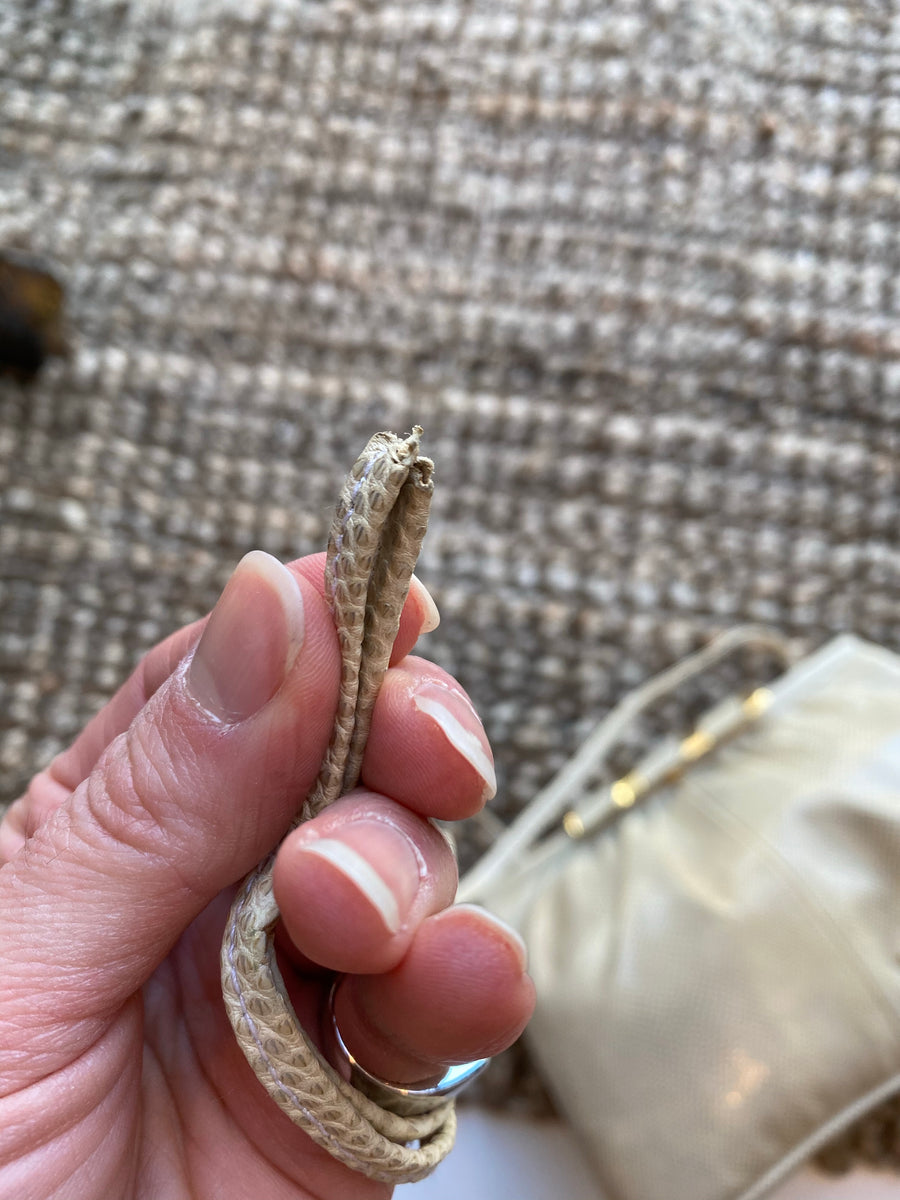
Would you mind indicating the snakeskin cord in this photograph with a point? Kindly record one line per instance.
(375, 537)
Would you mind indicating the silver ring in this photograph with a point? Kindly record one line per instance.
(404, 1099)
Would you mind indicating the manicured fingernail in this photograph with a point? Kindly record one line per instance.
(251, 640)
(368, 853)
(512, 936)
(432, 618)
(460, 725)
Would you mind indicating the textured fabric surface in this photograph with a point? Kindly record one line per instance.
(633, 267)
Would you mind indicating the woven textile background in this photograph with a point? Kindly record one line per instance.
(635, 267)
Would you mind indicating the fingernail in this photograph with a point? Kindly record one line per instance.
(446, 832)
(381, 863)
(432, 618)
(250, 641)
(461, 726)
(510, 935)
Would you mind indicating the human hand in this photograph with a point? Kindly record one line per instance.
(119, 1073)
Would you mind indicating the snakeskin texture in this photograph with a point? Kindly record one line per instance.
(375, 538)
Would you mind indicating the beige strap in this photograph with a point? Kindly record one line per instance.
(520, 847)
(375, 538)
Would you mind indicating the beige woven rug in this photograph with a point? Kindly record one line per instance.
(634, 266)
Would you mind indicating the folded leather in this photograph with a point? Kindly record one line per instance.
(381, 517)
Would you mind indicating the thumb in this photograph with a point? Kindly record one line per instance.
(200, 786)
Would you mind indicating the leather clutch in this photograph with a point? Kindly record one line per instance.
(715, 938)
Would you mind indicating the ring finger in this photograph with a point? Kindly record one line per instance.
(364, 890)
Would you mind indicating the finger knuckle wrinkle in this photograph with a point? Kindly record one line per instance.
(133, 796)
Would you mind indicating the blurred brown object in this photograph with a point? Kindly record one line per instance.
(31, 315)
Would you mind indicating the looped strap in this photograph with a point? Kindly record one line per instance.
(375, 538)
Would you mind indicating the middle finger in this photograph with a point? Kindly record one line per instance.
(354, 883)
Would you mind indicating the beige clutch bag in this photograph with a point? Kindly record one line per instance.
(715, 940)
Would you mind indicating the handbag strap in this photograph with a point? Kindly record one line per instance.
(555, 802)
(375, 537)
